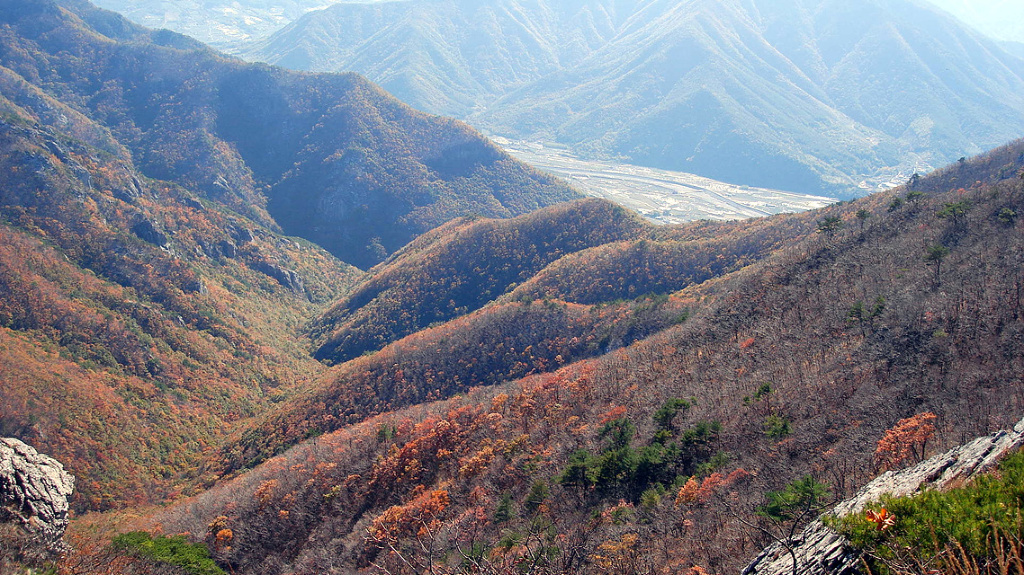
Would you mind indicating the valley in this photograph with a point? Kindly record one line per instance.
(661, 196)
(223, 24)
(283, 323)
(812, 97)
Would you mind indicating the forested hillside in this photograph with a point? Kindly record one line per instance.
(330, 158)
(460, 267)
(138, 322)
(655, 455)
(447, 316)
(150, 299)
(570, 390)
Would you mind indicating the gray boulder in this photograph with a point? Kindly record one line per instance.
(34, 502)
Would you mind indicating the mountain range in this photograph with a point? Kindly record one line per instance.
(509, 384)
(817, 96)
(305, 151)
(559, 424)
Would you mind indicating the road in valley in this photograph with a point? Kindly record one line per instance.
(661, 196)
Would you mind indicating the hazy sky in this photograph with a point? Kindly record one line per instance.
(1000, 19)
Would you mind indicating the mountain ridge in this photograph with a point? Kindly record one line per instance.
(844, 113)
(144, 280)
(839, 334)
(307, 147)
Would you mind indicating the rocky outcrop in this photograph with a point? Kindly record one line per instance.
(244, 235)
(34, 493)
(148, 231)
(290, 279)
(131, 188)
(821, 551)
(228, 249)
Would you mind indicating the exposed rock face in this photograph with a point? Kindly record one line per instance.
(244, 235)
(286, 277)
(133, 190)
(34, 493)
(148, 231)
(822, 551)
(228, 249)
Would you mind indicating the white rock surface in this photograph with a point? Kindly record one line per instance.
(822, 551)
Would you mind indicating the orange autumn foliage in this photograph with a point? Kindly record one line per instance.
(905, 441)
(417, 518)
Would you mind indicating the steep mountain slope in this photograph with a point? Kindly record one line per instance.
(461, 267)
(126, 304)
(808, 95)
(447, 57)
(149, 301)
(1014, 48)
(329, 158)
(843, 109)
(450, 314)
(586, 469)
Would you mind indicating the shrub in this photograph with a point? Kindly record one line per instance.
(973, 529)
(629, 471)
(504, 512)
(538, 495)
(664, 418)
(777, 427)
(1008, 216)
(800, 499)
(192, 558)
